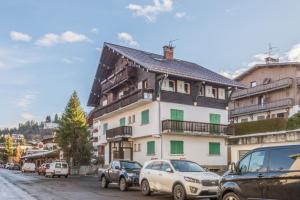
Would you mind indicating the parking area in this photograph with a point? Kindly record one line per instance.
(31, 186)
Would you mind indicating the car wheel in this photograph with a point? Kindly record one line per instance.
(179, 192)
(123, 184)
(145, 187)
(39, 173)
(66, 176)
(231, 196)
(104, 182)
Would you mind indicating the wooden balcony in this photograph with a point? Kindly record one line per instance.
(284, 103)
(117, 79)
(195, 128)
(276, 85)
(138, 95)
(119, 133)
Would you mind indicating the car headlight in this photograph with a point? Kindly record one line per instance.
(192, 180)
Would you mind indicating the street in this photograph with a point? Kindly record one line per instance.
(18, 186)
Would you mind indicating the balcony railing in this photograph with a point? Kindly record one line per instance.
(119, 132)
(276, 85)
(117, 78)
(176, 126)
(284, 103)
(146, 94)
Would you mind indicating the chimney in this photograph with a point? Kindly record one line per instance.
(168, 52)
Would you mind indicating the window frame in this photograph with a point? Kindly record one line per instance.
(152, 152)
(173, 149)
(210, 151)
(143, 115)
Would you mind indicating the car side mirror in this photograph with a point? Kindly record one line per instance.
(232, 167)
(169, 170)
(117, 167)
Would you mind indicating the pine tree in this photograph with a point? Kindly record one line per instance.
(18, 154)
(72, 134)
(48, 119)
(56, 120)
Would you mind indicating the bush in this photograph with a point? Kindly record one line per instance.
(294, 122)
(261, 126)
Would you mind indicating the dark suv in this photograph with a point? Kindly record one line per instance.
(264, 173)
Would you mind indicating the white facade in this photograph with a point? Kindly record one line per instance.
(196, 148)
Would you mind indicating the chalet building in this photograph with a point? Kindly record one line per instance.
(148, 106)
(272, 94)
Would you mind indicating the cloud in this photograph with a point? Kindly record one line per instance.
(27, 116)
(17, 57)
(127, 38)
(293, 55)
(25, 101)
(72, 60)
(95, 30)
(180, 15)
(18, 36)
(233, 74)
(151, 11)
(51, 39)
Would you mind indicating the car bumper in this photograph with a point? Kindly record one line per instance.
(195, 190)
(133, 181)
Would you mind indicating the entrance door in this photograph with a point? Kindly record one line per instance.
(214, 120)
(178, 117)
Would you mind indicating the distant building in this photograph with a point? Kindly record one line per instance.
(50, 125)
(148, 106)
(273, 94)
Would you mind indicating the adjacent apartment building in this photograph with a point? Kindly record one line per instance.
(149, 106)
(273, 92)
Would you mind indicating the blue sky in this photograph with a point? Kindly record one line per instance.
(50, 48)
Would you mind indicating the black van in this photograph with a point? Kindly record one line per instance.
(264, 173)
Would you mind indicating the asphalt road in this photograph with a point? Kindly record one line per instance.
(17, 186)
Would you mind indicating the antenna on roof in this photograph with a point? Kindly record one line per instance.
(270, 52)
(171, 42)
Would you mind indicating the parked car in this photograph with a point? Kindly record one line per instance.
(124, 172)
(264, 173)
(14, 167)
(182, 178)
(28, 167)
(42, 168)
(58, 168)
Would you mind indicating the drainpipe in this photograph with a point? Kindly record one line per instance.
(159, 115)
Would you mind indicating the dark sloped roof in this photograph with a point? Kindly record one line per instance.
(157, 63)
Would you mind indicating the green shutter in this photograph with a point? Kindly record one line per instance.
(150, 147)
(176, 147)
(215, 120)
(145, 117)
(105, 126)
(214, 148)
(122, 121)
(177, 114)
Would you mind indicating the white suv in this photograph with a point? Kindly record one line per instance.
(58, 169)
(181, 178)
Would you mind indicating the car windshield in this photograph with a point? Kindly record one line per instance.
(186, 166)
(130, 165)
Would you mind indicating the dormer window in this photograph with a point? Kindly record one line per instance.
(215, 92)
(253, 84)
(171, 85)
(201, 90)
(187, 88)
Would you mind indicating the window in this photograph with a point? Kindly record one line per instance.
(244, 164)
(187, 88)
(57, 165)
(214, 118)
(177, 114)
(280, 115)
(135, 147)
(145, 84)
(214, 148)
(139, 147)
(145, 117)
(202, 91)
(261, 117)
(221, 93)
(208, 91)
(122, 121)
(133, 119)
(257, 162)
(165, 166)
(284, 159)
(156, 165)
(253, 84)
(121, 94)
(172, 86)
(176, 147)
(129, 120)
(215, 92)
(151, 148)
(244, 120)
(104, 103)
(105, 126)
(261, 100)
